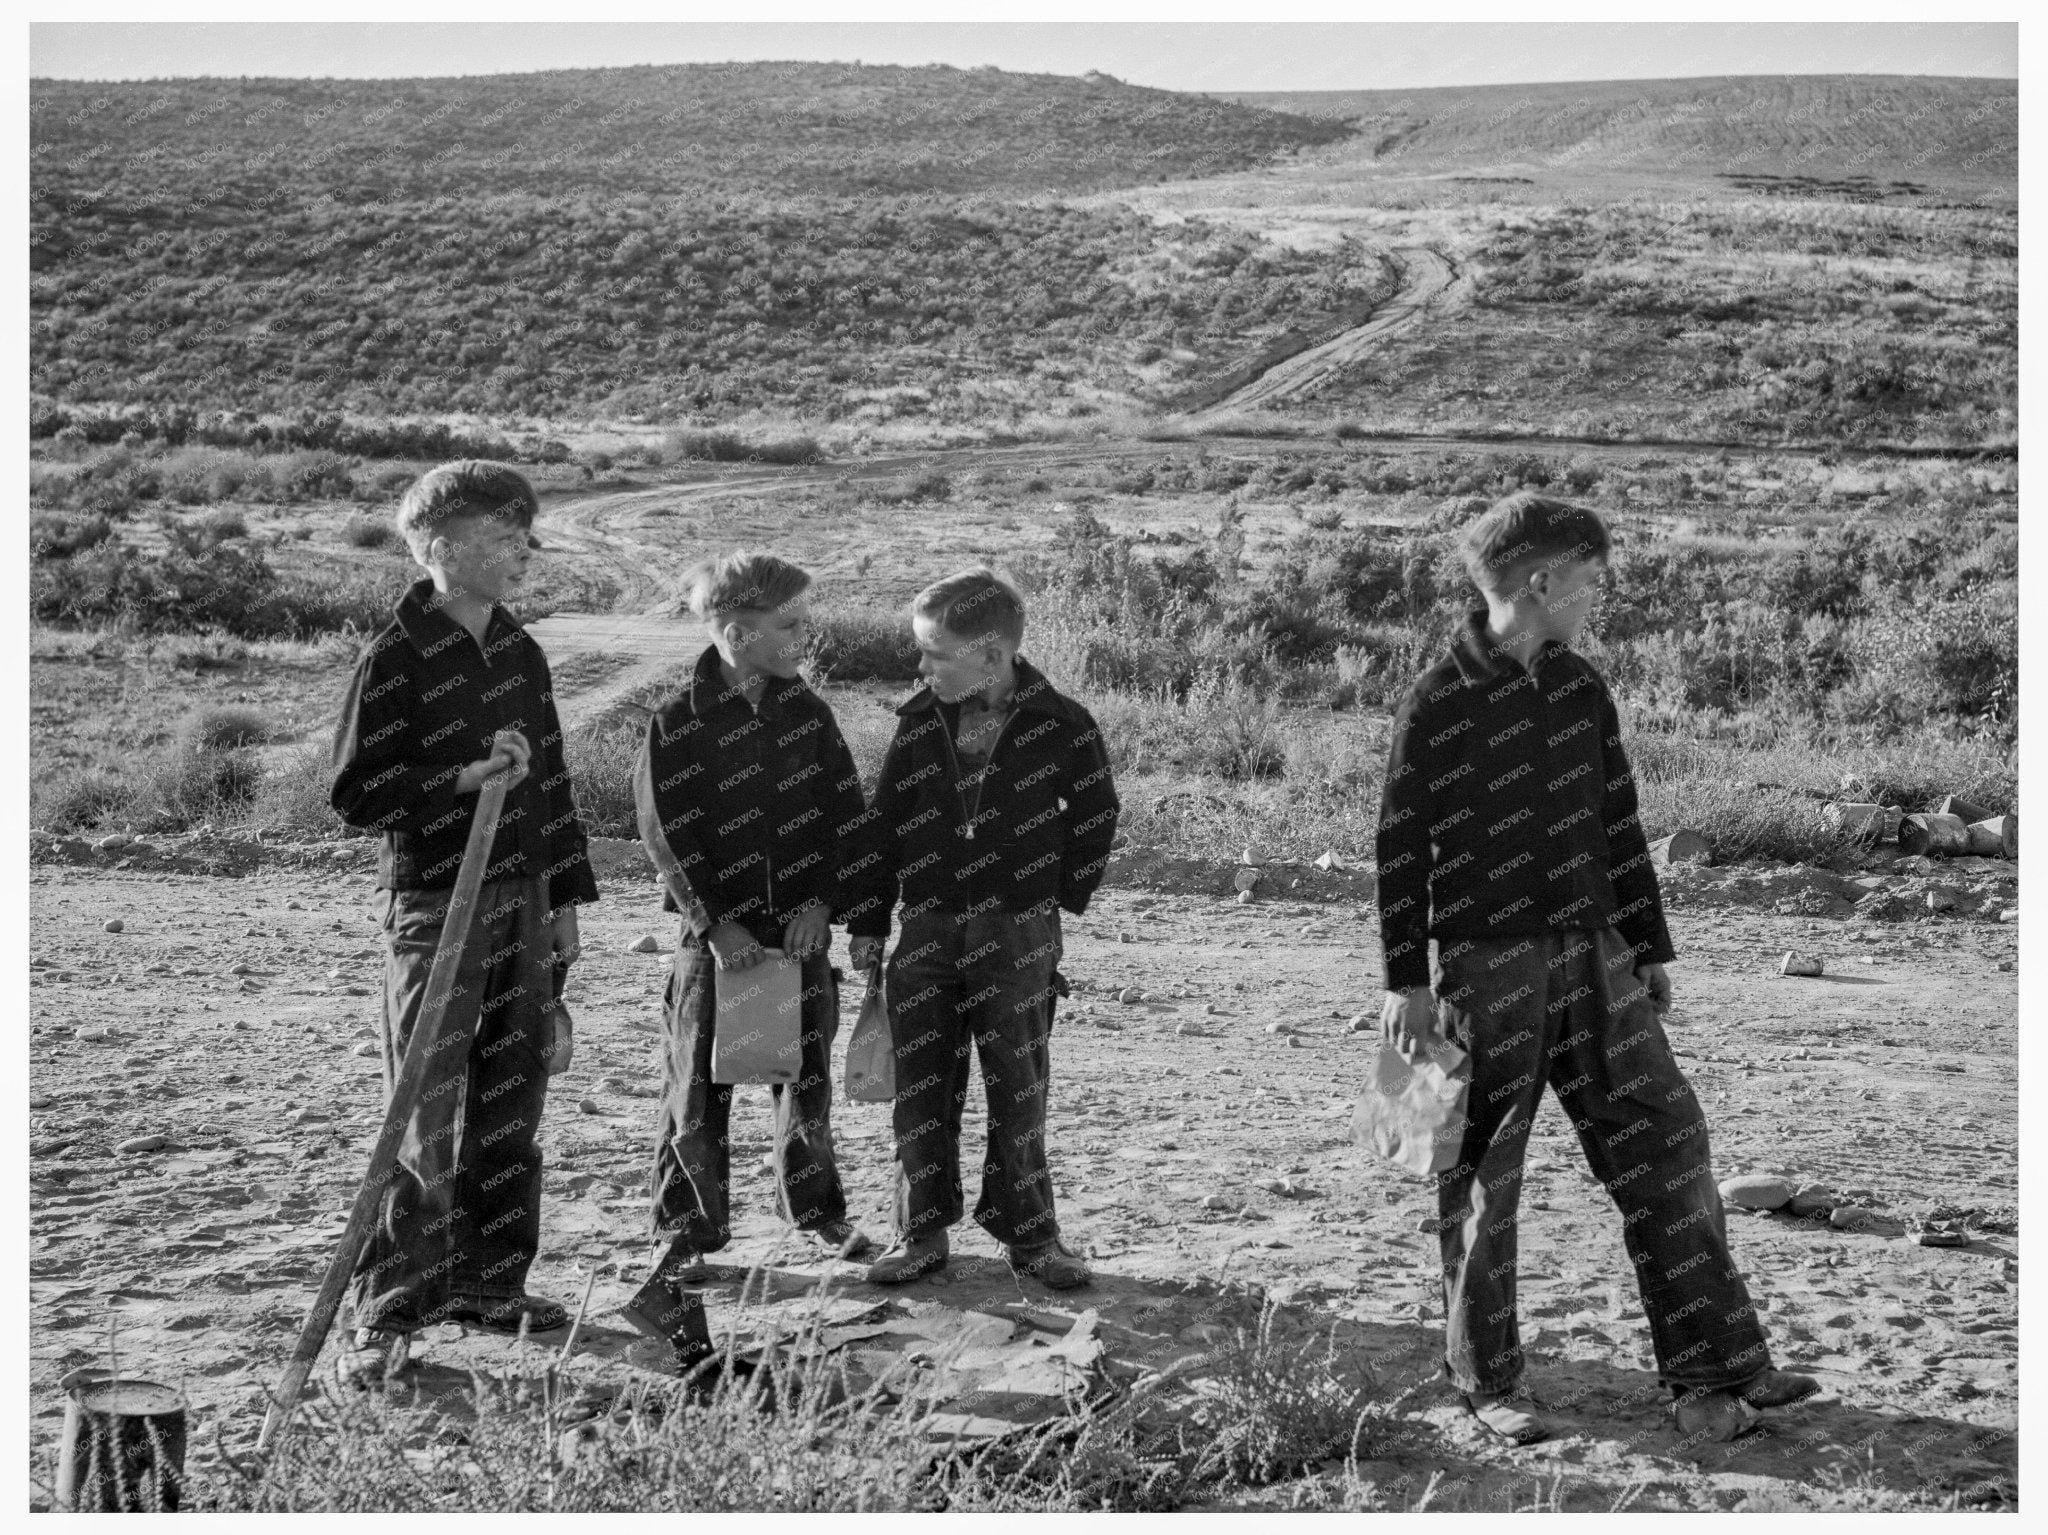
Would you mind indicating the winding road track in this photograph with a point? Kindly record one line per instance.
(1434, 285)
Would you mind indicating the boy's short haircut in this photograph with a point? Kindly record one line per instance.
(1526, 532)
(741, 582)
(467, 488)
(975, 605)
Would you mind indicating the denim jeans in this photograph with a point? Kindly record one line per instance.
(1565, 1008)
(461, 1214)
(956, 983)
(692, 1180)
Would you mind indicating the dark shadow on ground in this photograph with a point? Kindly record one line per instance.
(1002, 1353)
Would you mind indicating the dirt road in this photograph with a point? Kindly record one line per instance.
(229, 1016)
(1433, 285)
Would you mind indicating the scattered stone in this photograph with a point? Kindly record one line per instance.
(1330, 863)
(1812, 1199)
(1245, 880)
(589, 1106)
(1362, 1023)
(111, 925)
(2010, 914)
(310, 1115)
(1252, 855)
(2005, 964)
(1214, 1010)
(1942, 1233)
(365, 1047)
(1756, 1191)
(113, 842)
(1941, 900)
(294, 905)
(140, 1143)
(1279, 1027)
(1245, 898)
(1131, 994)
(646, 944)
(1215, 1202)
(98, 1032)
(1860, 1218)
(1799, 964)
(240, 968)
(40, 1100)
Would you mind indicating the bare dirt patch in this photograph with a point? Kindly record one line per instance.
(227, 1014)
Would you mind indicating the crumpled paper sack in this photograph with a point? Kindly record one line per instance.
(1414, 1114)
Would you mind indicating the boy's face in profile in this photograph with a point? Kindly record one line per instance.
(769, 640)
(1567, 601)
(481, 556)
(954, 667)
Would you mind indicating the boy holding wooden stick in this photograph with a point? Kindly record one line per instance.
(1509, 834)
(452, 692)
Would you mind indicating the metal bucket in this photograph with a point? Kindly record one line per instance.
(124, 1445)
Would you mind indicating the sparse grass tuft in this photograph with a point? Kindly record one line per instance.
(220, 729)
(1278, 1398)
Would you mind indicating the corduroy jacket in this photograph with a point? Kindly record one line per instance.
(1509, 808)
(424, 703)
(750, 814)
(1039, 837)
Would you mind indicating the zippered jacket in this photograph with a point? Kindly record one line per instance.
(1509, 808)
(425, 701)
(1038, 837)
(750, 815)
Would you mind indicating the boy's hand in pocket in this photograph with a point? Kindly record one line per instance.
(864, 953)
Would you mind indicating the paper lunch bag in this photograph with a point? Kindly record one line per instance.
(1414, 1115)
(757, 1032)
(871, 1053)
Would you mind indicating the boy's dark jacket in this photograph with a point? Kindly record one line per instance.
(750, 815)
(424, 703)
(1519, 779)
(1040, 836)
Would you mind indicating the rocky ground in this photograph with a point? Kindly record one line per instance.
(204, 1092)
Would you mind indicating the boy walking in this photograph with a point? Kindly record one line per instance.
(1508, 833)
(995, 809)
(750, 805)
(451, 692)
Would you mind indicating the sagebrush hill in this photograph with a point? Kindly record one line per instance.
(875, 255)
(1911, 130)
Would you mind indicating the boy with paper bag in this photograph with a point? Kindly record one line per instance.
(750, 805)
(1508, 833)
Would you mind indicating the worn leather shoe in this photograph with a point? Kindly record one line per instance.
(507, 1313)
(843, 1239)
(1712, 1417)
(374, 1355)
(911, 1260)
(1497, 1411)
(1778, 1388)
(1051, 1264)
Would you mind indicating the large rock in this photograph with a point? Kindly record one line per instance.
(1811, 1199)
(1757, 1191)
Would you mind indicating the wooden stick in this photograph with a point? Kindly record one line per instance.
(420, 1051)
